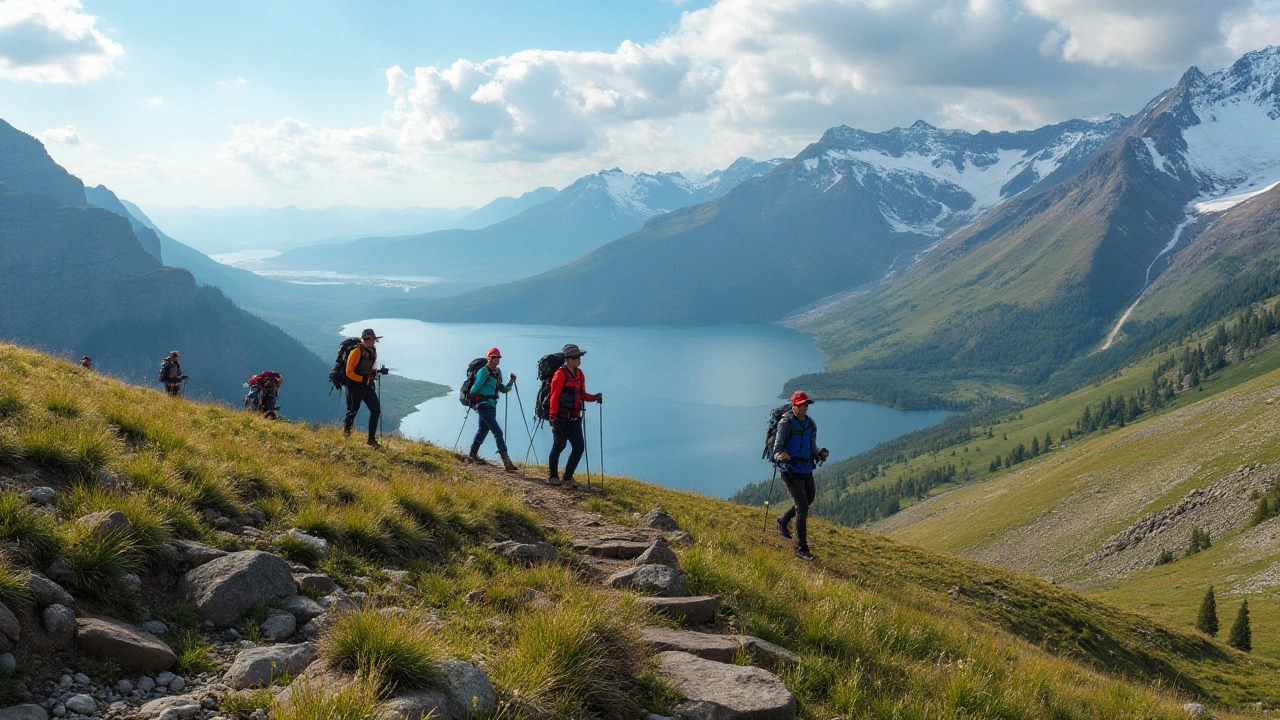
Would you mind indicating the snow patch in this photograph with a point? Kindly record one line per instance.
(1227, 202)
(1156, 157)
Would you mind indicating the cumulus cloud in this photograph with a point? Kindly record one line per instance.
(62, 136)
(155, 101)
(53, 41)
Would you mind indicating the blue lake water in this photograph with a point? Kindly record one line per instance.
(684, 407)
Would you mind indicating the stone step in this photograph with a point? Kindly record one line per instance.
(698, 610)
(725, 692)
(615, 549)
(718, 648)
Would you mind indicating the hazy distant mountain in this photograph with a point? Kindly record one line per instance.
(846, 211)
(593, 210)
(502, 208)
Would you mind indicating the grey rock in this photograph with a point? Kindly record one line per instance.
(83, 704)
(146, 684)
(339, 602)
(316, 583)
(279, 625)
(528, 552)
(8, 663)
(698, 610)
(59, 710)
(226, 524)
(319, 544)
(617, 549)
(462, 685)
(719, 691)
(652, 579)
(39, 495)
(656, 716)
(182, 706)
(195, 554)
(9, 624)
(59, 624)
(261, 666)
(60, 572)
(679, 537)
(106, 522)
(177, 684)
(659, 553)
(108, 479)
(719, 648)
(660, 519)
(81, 679)
(124, 686)
(1195, 709)
(24, 712)
(224, 589)
(302, 607)
(48, 592)
(315, 628)
(132, 648)
(155, 627)
(768, 655)
(131, 583)
(163, 679)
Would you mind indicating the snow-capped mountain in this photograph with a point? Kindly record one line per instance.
(927, 180)
(642, 196)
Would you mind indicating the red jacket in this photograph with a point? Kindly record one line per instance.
(568, 392)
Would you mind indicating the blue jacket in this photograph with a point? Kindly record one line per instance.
(800, 439)
(487, 385)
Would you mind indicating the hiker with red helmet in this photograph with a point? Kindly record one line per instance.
(568, 393)
(484, 399)
(796, 451)
(171, 374)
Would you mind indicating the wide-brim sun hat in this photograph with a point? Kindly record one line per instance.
(573, 351)
(369, 333)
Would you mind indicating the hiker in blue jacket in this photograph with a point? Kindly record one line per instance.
(484, 398)
(796, 451)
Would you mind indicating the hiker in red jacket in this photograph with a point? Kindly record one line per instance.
(568, 393)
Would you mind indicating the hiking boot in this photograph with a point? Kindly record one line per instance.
(783, 530)
(553, 480)
(474, 455)
(507, 464)
(346, 430)
(804, 554)
(373, 443)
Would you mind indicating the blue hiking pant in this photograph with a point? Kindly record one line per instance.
(488, 415)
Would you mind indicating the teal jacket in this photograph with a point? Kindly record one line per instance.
(487, 385)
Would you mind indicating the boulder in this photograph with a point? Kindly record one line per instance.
(618, 549)
(39, 495)
(60, 571)
(106, 522)
(155, 627)
(679, 537)
(48, 592)
(320, 545)
(181, 706)
(279, 625)
(315, 583)
(463, 684)
(315, 627)
(59, 624)
(131, 648)
(768, 655)
(698, 610)
(194, 554)
(82, 703)
(9, 624)
(24, 712)
(719, 691)
(660, 519)
(652, 579)
(222, 590)
(527, 552)
(263, 665)
(659, 553)
(302, 607)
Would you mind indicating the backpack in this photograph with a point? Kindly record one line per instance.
(547, 367)
(464, 392)
(771, 429)
(338, 374)
(164, 370)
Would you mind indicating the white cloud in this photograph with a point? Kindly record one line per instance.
(155, 101)
(53, 41)
(63, 136)
(232, 83)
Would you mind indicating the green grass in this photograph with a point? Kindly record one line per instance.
(35, 534)
(14, 593)
(192, 649)
(403, 652)
(356, 701)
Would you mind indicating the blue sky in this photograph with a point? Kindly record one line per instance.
(435, 103)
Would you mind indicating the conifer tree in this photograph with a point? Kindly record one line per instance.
(1207, 621)
(1241, 637)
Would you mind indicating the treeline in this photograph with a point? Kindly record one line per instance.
(1022, 453)
(881, 501)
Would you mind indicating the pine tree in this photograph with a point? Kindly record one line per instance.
(1241, 637)
(1207, 621)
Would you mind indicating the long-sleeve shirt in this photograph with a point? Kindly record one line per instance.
(487, 385)
(355, 371)
(577, 389)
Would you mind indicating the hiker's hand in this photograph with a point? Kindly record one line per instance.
(513, 378)
(784, 456)
(823, 453)
(184, 377)
(600, 398)
(383, 370)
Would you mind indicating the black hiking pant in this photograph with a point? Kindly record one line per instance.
(566, 431)
(802, 490)
(356, 394)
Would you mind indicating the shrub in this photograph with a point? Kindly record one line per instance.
(400, 648)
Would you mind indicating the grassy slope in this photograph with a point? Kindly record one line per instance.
(884, 629)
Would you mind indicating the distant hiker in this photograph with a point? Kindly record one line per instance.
(171, 374)
(264, 391)
(86, 362)
(362, 376)
(795, 449)
(484, 399)
(568, 393)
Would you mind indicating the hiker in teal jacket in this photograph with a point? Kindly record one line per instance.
(484, 399)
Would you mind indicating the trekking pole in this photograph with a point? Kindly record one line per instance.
(769, 497)
(464, 427)
(586, 452)
(600, 407)
(537, 424)
(525, 419)
(379, 394)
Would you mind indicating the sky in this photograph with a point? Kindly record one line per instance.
(426, 103)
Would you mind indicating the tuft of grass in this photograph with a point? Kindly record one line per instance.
(243, 702)
(74, 449)
(11, 406)
(402, 650)
(192, 649)
(356, 701)
(295, 550)
(34, 533)
(97, 562)
(149, 526)
(14, 592)
(62, 404)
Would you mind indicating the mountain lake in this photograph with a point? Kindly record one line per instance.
(684, 406)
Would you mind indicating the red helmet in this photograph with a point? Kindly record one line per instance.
(494, 352)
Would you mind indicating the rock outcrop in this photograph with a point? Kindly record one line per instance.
(222, 590)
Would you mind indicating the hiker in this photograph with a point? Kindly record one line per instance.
(362, 376)
(568, 393)
(796, 451)
(484, 399)
(263, 392)
(171, 374)
(86, 362)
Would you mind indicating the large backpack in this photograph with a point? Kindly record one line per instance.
(338, 373)
(771, 429)
(464, 392)
(547, 366)
(164, 370)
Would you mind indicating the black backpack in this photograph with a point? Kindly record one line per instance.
(164, 370)
(547, 366)
(338, 373)
(464, 392)
(771, 429)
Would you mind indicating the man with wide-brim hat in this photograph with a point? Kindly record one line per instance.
(796, 451)
(362, 378)
(568, 393)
